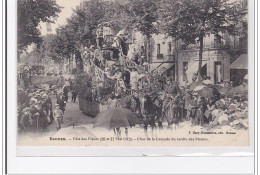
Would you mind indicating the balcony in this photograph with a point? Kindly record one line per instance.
(165, 58)
(212, 45)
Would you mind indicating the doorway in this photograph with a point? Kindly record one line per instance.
(203, 71)
(217, 73)
(171, 72)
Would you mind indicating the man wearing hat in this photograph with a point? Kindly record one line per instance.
(46, 107)
(107, 29)
(99, 38)
(62, 103)
(57, 115)
(192, 108)
(25, 122)
(171, 90)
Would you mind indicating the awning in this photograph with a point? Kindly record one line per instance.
(240, 63)
(67, 77)
(163, 67)
(194, 67)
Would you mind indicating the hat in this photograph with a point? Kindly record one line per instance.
(26, 109)
(56, 105)
(107, 23)
(44, 95)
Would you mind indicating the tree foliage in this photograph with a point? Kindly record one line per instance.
(187, 20)
(143, 14)
(30, 13)
(191, 20)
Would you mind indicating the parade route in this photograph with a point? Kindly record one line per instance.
(72, 115)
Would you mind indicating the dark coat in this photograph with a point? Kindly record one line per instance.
(187, 100)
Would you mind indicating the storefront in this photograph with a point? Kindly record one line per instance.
(215, 64)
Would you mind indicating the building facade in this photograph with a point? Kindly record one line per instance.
(171, 60)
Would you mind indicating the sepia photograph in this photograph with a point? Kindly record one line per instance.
(133, 73)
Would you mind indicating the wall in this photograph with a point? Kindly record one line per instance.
(210, 56)
(164, 41)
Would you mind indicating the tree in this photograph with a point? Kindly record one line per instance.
(30, 13)
(53, 47)
(143, 14)
(191, 20)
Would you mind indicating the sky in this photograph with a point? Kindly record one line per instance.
(67, 10)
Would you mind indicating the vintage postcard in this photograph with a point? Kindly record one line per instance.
(132, 73)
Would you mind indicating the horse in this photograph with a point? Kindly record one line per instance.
(171, 111)
(147, 112)
(135, 105)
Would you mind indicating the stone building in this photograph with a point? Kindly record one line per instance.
(170, 59)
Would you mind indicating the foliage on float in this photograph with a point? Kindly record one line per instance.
(88, 89)
(83, 85)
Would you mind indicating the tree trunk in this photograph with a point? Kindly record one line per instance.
(79, 61)
(148, 59)
(200, 56)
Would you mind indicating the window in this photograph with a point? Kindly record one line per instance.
(184, 69)
(158, 49)
(169, 47)
(217, 40)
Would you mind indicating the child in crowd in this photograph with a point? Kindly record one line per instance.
(58, 115)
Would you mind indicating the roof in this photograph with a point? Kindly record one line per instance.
(240, 63)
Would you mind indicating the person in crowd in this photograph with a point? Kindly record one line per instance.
(99, 36)
(74, 92)
(25, 122)
(134, 80)
(210, 107)
(126, 78)
(201, 107)
(192, 108)
(45, 107)
(120, 42)
(58, 116)
(107, 30)
(171, 89)
(188, 97)
(26, 79)
(61, 102)
(181, 102)
(42, 122)
(66, 92)
(194, 77)
(49, 107)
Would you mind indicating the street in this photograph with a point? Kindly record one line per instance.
(72, 115)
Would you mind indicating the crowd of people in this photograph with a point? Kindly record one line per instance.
(36, 110)
(174, 104)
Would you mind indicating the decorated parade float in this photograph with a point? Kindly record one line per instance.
(110, 72)
(107, 73)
